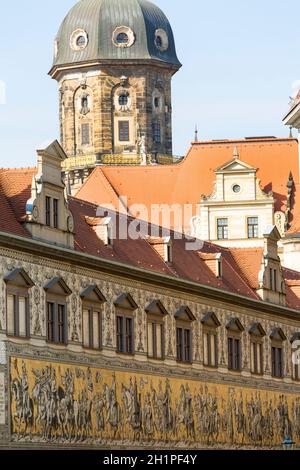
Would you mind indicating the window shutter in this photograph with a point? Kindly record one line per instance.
(213, 350)
(159, 340)
(22, 317)
(150, 339)
(96, 330)
(205, 348)
(86, 330)
(11, 314)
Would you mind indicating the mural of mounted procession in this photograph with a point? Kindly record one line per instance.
(59, 403)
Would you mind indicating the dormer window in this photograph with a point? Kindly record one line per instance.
(55, 213)
(169, 252)
(273, 279)
(219, 266)
(52, 212)
(48, 211)
(18, 284)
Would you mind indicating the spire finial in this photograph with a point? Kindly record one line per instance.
(196, 134)
(236, 153)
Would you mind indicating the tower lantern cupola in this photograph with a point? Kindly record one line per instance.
(114, 61)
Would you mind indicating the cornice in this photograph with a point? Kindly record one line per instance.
(140, 275)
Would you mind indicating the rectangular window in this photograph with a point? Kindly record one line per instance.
(184, 346)
(124, 131)
(85, 134)
(222, 229)
(234, 354)
(91, 328)
(210, 349)
(50, 321)
(56, 323)
(273, 279)
(256, 358)
(155, 340)
(17, 316)
(125, 343)
(277, 364)
(48, 211)
(157, 133)
(55, 213)
(252, 227)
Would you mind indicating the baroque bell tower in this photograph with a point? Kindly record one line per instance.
(114, 61)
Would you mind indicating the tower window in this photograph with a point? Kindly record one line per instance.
(122, 38)
(252, 224)
(159, 42)
(123, 99)
(80, 41)
(124, 131)
(156, 102)
(222, 228)
(85, 134)
(157, 132)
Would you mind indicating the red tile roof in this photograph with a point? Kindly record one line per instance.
(184, 183)
(240, 267)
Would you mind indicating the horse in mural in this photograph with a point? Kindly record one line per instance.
(24, 412)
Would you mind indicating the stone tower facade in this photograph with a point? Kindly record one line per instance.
(114, 62)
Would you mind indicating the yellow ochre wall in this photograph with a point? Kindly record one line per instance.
(61, 403)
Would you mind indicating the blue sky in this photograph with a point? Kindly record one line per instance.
(240, 59)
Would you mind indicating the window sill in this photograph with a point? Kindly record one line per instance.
(20, 338)
(87, 349)
(156, 359)
(125, 354)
